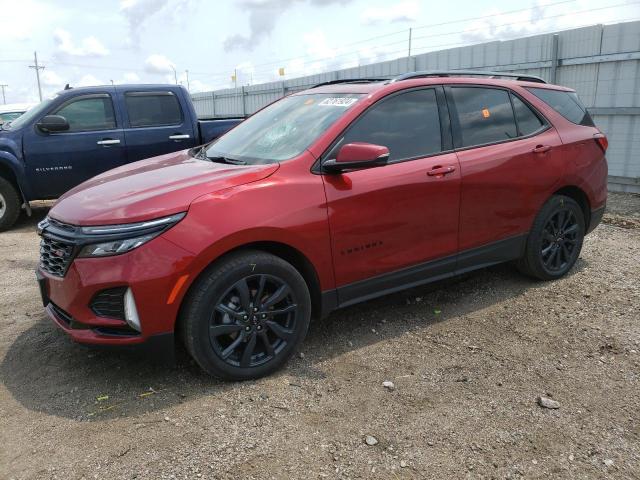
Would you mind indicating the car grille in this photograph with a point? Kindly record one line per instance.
(55, 256)
(109, 303)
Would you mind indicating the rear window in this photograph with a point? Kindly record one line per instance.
(153, 109)
(485, 115)
(566, 104)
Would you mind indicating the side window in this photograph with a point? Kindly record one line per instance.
(566, 104)
(528, 121)
(89, 113)
(153, 109)
(485, 115)
(407, 124)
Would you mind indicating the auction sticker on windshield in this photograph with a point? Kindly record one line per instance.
(338, 102)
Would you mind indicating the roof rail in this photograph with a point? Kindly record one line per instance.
(351, 80)
(465, 73)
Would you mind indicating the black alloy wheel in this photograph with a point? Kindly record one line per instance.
(253, 321)
(560, 240)
(555, 239)
(245, 315)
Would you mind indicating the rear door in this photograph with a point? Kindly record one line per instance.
(93, 144)
(155, 124)
(510, 162)
(387, 219)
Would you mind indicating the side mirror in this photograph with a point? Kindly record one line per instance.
(356, 156)
(53, 123)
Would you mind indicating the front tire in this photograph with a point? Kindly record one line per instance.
(9, 205)
(555, 240)
(246, 316)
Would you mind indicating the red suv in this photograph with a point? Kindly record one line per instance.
(323, 199)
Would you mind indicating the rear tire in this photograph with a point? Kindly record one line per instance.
(9, 205)
(246, 316)
(555, 240)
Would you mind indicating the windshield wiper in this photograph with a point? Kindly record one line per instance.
(230, 161)
(202, 155)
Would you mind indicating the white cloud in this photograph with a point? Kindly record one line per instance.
(130, 77)
(139, 12)
(50, 78)
(158, 64)
(263, 17)
(398, 12)
(20, 20)
(89, 46)
(88, 81)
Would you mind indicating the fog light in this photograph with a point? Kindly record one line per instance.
(130, 311)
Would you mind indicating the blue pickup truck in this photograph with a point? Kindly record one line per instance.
(81, 132)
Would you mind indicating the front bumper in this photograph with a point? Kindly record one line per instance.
(151, 271)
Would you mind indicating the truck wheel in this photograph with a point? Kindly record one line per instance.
(9, 204)
(246, 316)
(555, 239)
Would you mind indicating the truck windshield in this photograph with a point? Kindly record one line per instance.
(29, 115)
(282, 130)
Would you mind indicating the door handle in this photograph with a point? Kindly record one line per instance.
(440, 171)
(108, 141)
(541, 149)
(179, 136)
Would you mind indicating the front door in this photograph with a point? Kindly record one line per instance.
(394, 225)
(93, 144)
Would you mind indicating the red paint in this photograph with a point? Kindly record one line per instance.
(361, 152)
(349, 226)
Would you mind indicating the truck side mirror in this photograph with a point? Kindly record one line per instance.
(53, 123)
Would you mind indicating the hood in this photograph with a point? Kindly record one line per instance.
(151, 188)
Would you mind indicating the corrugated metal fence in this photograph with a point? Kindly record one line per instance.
(601, 62)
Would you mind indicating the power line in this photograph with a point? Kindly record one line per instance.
(404, 31)
(413, 48)
(37, 69)
(274, 62)
(413, 39)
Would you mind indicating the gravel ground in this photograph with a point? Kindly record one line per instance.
(467, 358)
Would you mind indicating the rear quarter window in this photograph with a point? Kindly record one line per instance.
(566, 104)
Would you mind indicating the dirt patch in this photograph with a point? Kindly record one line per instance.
(468, 359)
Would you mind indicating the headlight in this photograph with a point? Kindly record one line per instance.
(118, 239)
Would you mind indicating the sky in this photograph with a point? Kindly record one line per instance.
(94, 42)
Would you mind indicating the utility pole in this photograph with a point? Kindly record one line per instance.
(410, 31)
(3, 86)
(188, 86)
(37, 68)
(235, 77)
(175, 75)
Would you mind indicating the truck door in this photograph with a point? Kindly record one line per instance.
(155, 124)
(94, 143)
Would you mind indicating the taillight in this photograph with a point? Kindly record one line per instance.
(601, 140)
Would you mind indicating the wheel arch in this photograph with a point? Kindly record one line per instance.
(282, 250)
(581, 198)
(8, 171)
